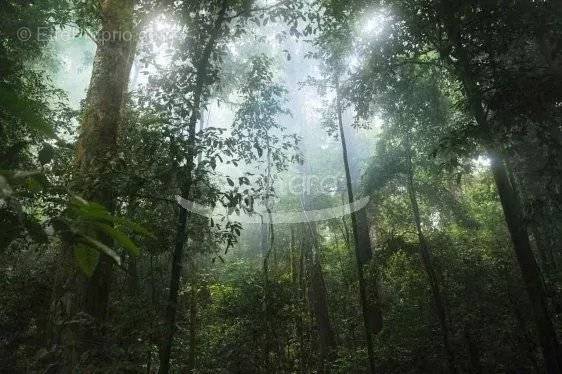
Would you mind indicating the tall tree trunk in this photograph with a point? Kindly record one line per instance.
(75, 294)
(523, 336)
(202, 68)
(301, 302)
(539, 224)
(473, 352)
(529, 268)
(511, 205)
(132, 276)
(192, 322)
(271, 336)
(425, 254)
(97, 143)
(268, 241)
(318, 299)
(362, 289)
(517, 228)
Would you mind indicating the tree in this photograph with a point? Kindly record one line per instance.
(455, 36)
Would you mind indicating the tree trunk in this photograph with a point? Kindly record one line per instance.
(132, 276)
(171, 307)
(425, 254)
(271, 336)
(511, 205)
(517, 228)
(362, 289)
(301, 302)
(181, 233)
(473, 352)
(529, 269)
(76, 296)
(192, 324)
(97, 143)
(318, 299)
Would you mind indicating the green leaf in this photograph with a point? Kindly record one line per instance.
(5, 188)
(46, 154)
(135, 227)
(87, 258)
(102, 248)
(91, 211)
(120, 237)
(25, 110)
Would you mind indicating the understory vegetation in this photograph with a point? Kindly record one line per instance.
(261, 186)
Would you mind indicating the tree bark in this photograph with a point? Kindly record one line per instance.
(181, 232)
(517, 228)
(192, 323)
(301, 297)
(76, 296)
(511, 205)
(425, 254)
(97, 143)
(529, 268)
(318, 298)
(362, 289)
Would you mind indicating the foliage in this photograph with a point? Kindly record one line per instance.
(237, 112)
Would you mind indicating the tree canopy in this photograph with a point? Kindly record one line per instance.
(262, 186)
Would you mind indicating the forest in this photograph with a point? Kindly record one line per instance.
(280, 186)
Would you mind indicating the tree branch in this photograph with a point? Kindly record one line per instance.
(259, 9)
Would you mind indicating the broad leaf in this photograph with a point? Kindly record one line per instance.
(87, 258)
(102, 248)
(120, 237)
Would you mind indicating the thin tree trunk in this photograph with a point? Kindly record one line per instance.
(425, 254)
(344, 224)
(132, 276)
(192, 323)
(268, 242)
(181, 232)
(171, 308)
(270, 333)
(361, 278)
(301, 298)
(293, 256)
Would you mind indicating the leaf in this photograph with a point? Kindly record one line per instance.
(259, 149)
(25, 110)
(46, 154)
(120, 237)
(87, 258)
(135, 227)
(5, 188)
(102, 248)
(91, 211)
(230, 181)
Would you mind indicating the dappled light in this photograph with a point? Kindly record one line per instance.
(272, 186)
